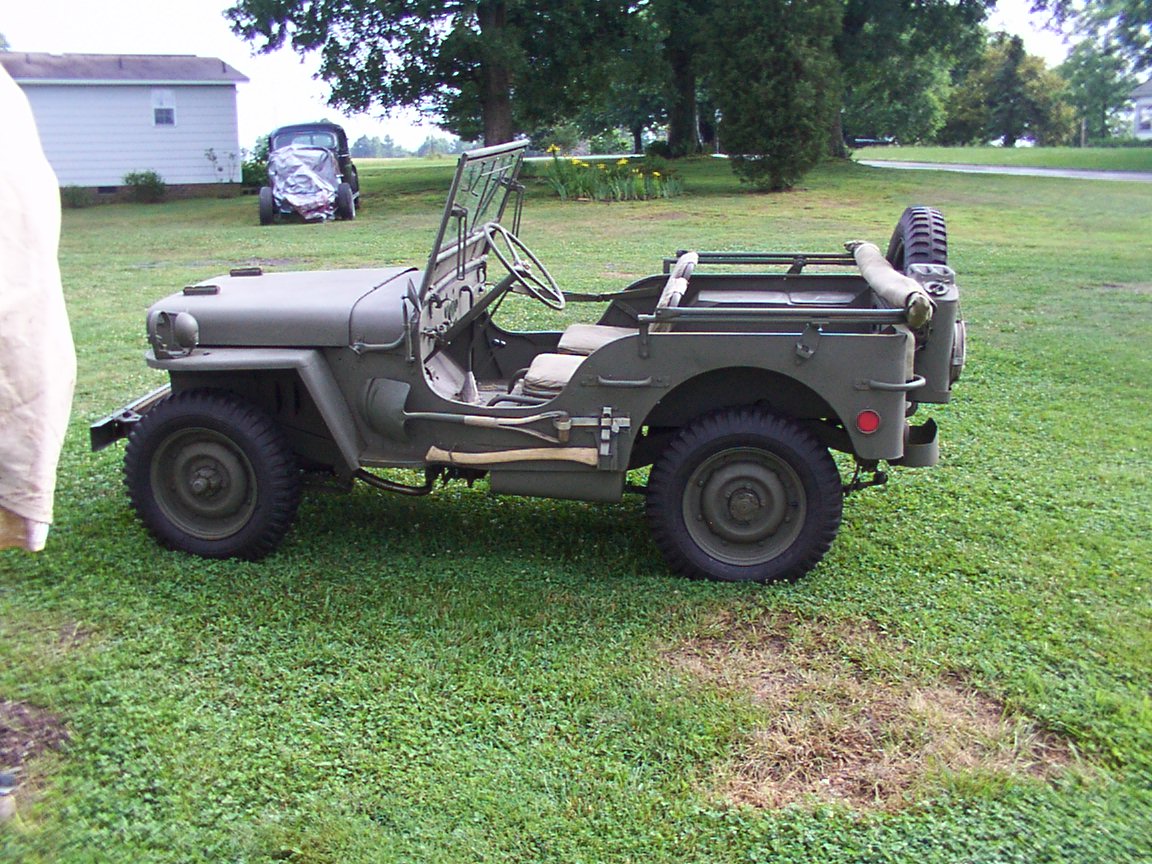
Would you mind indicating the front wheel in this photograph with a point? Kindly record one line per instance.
(345, 202)
(210, 474)
(267, 206)
(744, 495)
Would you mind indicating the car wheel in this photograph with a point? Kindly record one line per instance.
(744, 495)
(921, 237)
(267, 206)
(345, 202)
(210, 474)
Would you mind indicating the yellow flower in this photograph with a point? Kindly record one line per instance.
(655, 173)
(621, 161)
(555, 148)
(601, 166)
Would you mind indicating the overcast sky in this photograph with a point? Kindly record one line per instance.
(281, 89)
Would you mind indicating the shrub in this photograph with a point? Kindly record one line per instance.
(254, 172)
(75, 197)
(145, 187)
(658, 149)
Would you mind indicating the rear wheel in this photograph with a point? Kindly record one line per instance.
(921, 237)
(210, 474)
(744, 495)
(267, 206)
(345, 202)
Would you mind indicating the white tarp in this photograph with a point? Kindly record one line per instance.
(37, 359)
(306, 179)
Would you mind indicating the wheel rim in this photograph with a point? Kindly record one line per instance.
(204, 484)
(744, 506)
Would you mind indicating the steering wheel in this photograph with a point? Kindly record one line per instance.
(524, 266)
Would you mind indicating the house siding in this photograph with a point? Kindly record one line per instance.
(1142, 119)
(94, 134)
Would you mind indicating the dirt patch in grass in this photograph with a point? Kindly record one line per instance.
(844, 718)
(27, 731)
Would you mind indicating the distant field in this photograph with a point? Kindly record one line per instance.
(491, 680)
(1091, 158)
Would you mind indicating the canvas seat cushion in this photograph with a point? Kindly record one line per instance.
(550, 373)
(588, 338)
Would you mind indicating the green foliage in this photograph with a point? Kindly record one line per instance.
(75, 197)
(145, 187)
(373, 147)
(773, 77)
(902, 96)
(609, 142)
(1099, 85)
(254, 172)
(622, 180)
(1126, 23)
(1010, 95)
(458, 61)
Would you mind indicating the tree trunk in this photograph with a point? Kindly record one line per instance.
(837, 149)
(495, 77)
(637, 140)
(683, 131)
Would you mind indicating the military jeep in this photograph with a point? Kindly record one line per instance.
(730, 375)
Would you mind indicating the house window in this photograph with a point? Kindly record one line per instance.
(1144, 124)
(163, 108)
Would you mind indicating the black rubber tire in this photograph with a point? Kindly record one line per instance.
(267, 206)
(723, 498)
(921, 237)
(345, 202)
(211, 474)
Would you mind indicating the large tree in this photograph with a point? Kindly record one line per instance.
(1098, 87)
(486, 68)
(1127, 23)
(772, 74)
(889, 52)
(1010, 95)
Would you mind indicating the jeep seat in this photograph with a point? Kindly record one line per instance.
(550, 373)
(588, 338)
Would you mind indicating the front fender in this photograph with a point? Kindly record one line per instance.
(312, 368)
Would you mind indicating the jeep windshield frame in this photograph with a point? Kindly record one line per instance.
(485, 181)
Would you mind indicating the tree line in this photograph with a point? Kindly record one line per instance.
(778, 84)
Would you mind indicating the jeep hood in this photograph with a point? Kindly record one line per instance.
(312, 309)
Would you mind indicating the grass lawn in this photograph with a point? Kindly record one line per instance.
(466, 678)
(1090, 158)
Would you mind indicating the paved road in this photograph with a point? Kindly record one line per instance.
(1070, 173)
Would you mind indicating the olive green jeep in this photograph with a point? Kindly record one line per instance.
(731, 375)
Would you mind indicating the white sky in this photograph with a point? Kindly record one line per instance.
(281, 88)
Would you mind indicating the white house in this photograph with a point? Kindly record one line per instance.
(1142, 111)
(101, 116)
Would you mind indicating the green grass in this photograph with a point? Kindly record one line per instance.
(472, 678)
(1091, 158)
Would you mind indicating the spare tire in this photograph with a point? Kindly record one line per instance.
(921, 237)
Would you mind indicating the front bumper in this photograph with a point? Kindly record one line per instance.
(119, 423)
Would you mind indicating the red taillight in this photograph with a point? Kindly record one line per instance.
(867, 421)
